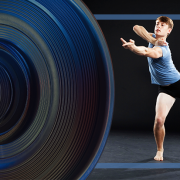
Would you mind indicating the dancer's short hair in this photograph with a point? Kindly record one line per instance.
(166, 20)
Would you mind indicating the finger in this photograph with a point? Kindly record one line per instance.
(131, 40)
(163, 43)
(123, 40)
(128, 44)
(125, 44)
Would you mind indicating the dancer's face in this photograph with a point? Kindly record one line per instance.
(161, 29)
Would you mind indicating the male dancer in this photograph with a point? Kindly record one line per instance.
(162, 71)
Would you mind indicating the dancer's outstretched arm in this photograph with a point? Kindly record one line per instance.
(155, 52)
(142, 32)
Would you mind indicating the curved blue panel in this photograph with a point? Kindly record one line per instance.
(57, 110)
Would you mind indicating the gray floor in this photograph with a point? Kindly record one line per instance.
(138, 147)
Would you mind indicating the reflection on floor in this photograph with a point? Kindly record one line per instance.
(137, 147)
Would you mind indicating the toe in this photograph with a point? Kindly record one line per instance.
(157, 158)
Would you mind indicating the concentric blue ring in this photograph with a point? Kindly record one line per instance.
(70, 92)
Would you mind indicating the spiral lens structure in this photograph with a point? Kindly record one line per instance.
(56, 90)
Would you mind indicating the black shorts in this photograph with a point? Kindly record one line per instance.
(173, 89)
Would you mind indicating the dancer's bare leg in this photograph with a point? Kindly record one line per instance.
(163, 106)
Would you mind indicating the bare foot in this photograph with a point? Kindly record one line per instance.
(159, 156)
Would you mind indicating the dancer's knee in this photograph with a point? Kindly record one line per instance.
(159, 121)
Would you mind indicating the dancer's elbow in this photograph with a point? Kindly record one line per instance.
(136, 28)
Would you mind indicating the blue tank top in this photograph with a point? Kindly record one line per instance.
(162, 70)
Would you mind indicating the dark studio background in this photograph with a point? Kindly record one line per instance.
(135, 96)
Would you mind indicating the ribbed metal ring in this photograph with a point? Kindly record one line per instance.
(56, 113)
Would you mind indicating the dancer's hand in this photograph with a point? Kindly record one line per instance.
(160, 42)
(128, 45)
